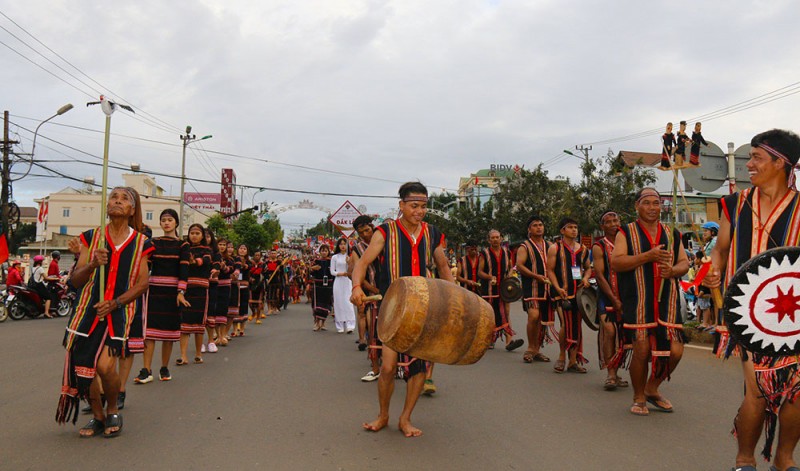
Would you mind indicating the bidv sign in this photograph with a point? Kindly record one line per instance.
(515, 167)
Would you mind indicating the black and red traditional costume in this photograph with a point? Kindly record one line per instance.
(322, 299)
(498, 265)
(606, 307)
(163, 315)
(569, 274)
(195, 272)
(536, 294)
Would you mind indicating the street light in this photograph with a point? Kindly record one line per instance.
(187, 139)
(60, 111)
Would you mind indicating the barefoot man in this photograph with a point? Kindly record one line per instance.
(405, 247)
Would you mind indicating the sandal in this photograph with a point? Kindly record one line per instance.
(527, 357)
(181, 362)
(559, 366)
(514, 344)
(639, 408)
(576, 368)
(198, 360)
(621, 383)
(660, 403)
(113, 420)
(610, 384)
(541, 357)
(96, 426)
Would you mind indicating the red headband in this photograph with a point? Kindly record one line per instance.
(785, 159)
(421, 199)
(648, 192)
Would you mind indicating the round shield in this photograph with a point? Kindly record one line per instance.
(587, 305)
(510, 289)
(762, 303)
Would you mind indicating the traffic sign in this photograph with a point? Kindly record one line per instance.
(342, 219)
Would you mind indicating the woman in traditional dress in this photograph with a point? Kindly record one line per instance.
(97, 334)
(163, 315)
(272, 277)
(223, 293)
(345, 313)
(322, 288)
(256, 288)
(243, 264)
(213, 288)
(193, 293)
(233, 300)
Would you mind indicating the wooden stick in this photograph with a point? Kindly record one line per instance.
(373, 298)
(103, 206)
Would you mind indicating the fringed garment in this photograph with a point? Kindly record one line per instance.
(86, 334)
(568, 260)
(273, 278)
(498, 265)
(640, 288)
(535, 294)
(223, 292)
(244, 265)
(322, 299)
(404, 256)
(163, 315)
(213, 290)
(195, 272)
(605, 307)
(778, 378)
(469, 270)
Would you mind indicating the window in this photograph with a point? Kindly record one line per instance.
(148, 216)
(62, 230)
(65, 212)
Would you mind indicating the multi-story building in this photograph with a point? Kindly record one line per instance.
(71, 211)
(479, 187)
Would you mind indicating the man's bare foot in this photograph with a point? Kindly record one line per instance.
(377, 424)
(408, 429)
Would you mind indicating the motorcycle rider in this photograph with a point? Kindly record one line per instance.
(36, 283)
(14, 277)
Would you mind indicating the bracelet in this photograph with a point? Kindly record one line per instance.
(354, 287)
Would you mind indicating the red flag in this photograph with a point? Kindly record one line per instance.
(3, 248)
(43, 207)
(476, 180)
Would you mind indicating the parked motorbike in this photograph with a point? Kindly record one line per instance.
(27, 302)
(3, 305)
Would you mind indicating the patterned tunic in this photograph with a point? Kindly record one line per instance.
(163, 315)
(571, 322)
(323, 288)
(223, 291)
(243, 264)
(405, 256)
(749, 237)
(194, 279)
(469, 270)
(497, 265)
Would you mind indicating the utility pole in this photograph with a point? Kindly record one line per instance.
(6, 191)
(585, 151)
(187, 139)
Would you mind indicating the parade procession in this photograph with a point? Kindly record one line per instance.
(400, 235)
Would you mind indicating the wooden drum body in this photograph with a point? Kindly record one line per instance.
(435, 320)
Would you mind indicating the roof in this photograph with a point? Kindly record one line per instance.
(633, 159)
(487, 173)
(28, 212)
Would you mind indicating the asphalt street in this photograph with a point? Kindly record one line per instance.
(284, 397)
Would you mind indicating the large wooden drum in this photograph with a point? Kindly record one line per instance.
(435, 320)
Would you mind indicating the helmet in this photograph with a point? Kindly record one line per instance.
(56, 254)
(38, 259)
(711, 226)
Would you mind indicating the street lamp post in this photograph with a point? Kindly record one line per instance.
(585, 151)
(187, 139)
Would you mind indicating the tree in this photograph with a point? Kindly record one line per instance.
(322, 228)
(273, 229)
(23, 235)
(250, 232)
(221, 229)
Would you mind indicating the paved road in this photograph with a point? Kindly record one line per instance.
(284, 397)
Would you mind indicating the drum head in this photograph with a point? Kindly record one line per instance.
(587, 305)
(510, 290)
(762, 303)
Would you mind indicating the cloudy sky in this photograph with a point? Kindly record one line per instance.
(388, 90)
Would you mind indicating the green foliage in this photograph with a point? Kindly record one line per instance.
(219, 225)
(250, 232)
(273, 229)
(23, 235)
(323, 228)
(604, 186)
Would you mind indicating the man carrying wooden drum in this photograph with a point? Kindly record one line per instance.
(764, 217)
(532, 267)
(649, 259)
(495, 266)
(405, 247)
(568, 269)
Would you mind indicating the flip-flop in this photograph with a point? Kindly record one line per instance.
(621, 383)
(559, 366)
(527, 357)
(198, 360)
(576, 368)
(541, 357)
(96, 426)
(180, 362)
(639, 408)
(113, 420)
(515, 344)
(610, 384)
(657, 401)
